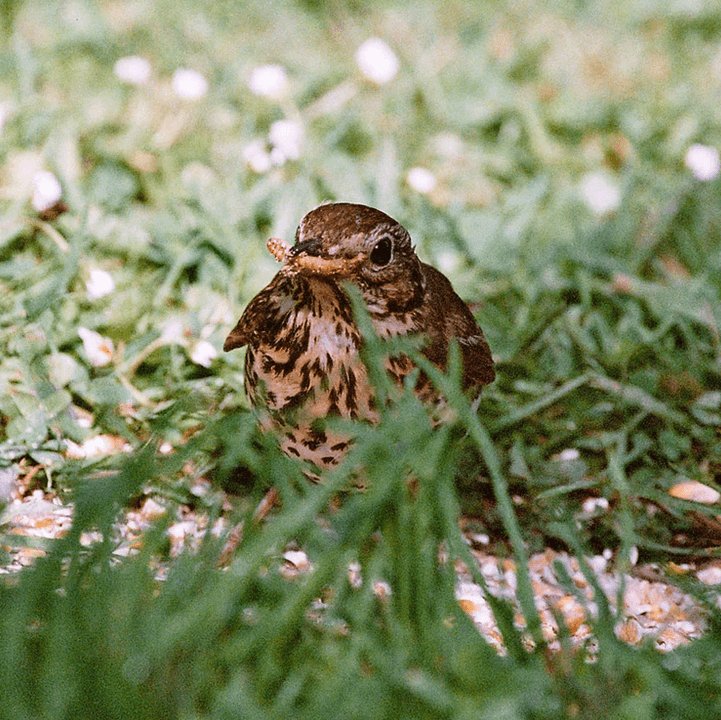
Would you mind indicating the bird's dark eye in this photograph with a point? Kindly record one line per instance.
(382, 253)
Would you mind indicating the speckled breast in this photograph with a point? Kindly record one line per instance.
(308, 369)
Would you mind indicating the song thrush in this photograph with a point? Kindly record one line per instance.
(302, 363)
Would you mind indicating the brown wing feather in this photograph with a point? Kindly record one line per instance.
(447, 316)
(238, 337)
(257, 319)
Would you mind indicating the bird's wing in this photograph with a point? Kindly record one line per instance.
(477, 361)
(449, 317)
(259, 319)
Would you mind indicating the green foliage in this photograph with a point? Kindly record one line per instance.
(605, 328)
(88, 636)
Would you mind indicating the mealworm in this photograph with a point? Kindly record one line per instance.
(278, 248)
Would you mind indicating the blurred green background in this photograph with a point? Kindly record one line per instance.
(558, 161)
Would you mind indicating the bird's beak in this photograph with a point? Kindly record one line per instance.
(307, 257)
(307, 247)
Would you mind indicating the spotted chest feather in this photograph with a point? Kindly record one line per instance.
(308, 368)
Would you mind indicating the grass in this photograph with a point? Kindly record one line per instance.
(605, 327)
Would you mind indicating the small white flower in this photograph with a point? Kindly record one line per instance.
(133, 69)
(569, 454)
(99, 284)
(591, 505)
(600, 193)
(172, 332)
(165, 448)
(189, 84)
(287, 137)
(448, 261)
(203, 353)
(98, 349)
(703, 161)
(376, 61)
(269, 81)
(421, 180)
(46, 190)
(480, 538)
(257, 157)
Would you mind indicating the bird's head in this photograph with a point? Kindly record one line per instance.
(362, 245)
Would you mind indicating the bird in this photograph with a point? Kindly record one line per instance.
(303, 363)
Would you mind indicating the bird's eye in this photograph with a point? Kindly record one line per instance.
(382, 253)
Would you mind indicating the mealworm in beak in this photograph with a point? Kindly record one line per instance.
(278, 248)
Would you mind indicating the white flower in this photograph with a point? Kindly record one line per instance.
(46, 190)
(203, 353)
(133, 69)
(568, 455)
(165, 448)
(172, 332)
(99, 284)
(189, 84)
(98, 349)
(448, 261)
(257, 157)
(287, 137)
(376, 61)
(269, 81)
(600, 193)
(592, 505)
(703, 161)
(421, 180)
